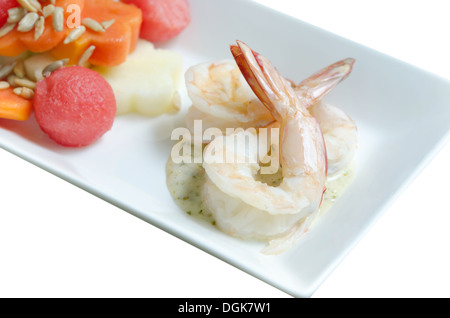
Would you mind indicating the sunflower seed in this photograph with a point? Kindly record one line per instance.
(8, 27)
(107, 24)
(54, 66)
(24, 92)
(30, 5)
(93, 25)
(39, 28)
(58, 19)
(86, 56)
(4, 85)
(27, 22)
(48, 10)
(6, 70)
(75, 34)
(23, 82)
(36, 4)
(12, 80)
(19, 69)
(15, 14)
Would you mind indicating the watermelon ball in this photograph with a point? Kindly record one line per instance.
(74, 106)
(162, 20)
(5, 5)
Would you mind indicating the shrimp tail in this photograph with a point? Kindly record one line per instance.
(315, 87)
(273, 90)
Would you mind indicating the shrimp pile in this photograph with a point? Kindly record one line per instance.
(316, 141)
(222, 99)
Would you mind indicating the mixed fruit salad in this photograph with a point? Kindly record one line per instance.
(77, 64)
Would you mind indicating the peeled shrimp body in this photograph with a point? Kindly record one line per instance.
(245, 207)
(222, 99)
(219, 90)
(340, 135)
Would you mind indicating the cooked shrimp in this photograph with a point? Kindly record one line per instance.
(218, 89)
(245, 207)
(340, 135)
(222, 105)
(339, 130)
(212, 121)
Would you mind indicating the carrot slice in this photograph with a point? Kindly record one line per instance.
(13, 106)
(10, 44)
(15, 42)
(50, 38)
(112, 46)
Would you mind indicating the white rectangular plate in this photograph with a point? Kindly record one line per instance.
(402, 113)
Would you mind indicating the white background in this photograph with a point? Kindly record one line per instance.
(59, 241)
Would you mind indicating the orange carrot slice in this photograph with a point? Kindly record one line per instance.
(10, 44)
(15, 42)
(51, 38)
(111, 46)
(13, 106)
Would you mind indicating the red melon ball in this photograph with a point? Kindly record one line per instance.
(162, 19)
(74, 106)
(5, 5)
